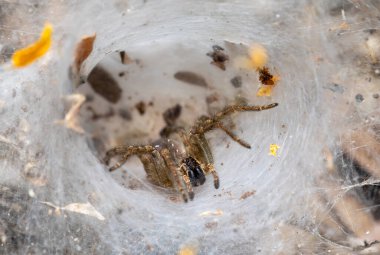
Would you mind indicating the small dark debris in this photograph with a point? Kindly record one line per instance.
(365, 245)
(121, 74)
(125, 59)
(151, 103)
(236, 81)
(6, 53)
(247, 194)
(212, 98)
(336, 88)
(218, 56)
(211, 225)
(104, 84)
(141, 107)
(191, 78)
(371, 31)
(96, 116)
(172, 114)
(265, 77)
(359, 98)
(376, 68)
(89, 98)
(376, 96)
(125, 114)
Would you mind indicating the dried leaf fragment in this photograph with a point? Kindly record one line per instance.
(86, 209)
(82, 208)
(71, 120)
(31, 53)
(273, 149)
(83, 50)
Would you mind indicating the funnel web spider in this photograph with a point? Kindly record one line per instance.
(184, 162)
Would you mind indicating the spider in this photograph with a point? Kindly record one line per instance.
(183, 161)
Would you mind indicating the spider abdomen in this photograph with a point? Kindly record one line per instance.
(194, 171)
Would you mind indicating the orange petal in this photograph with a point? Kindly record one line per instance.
(31, 53)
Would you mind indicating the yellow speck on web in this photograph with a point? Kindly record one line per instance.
(31, 53)
(187, 250)
(273, 149)
(265, 91)
(258, 55)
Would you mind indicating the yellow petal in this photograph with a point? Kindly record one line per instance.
(273, 149)
(28, 55)
(258, 56)
(265, 91)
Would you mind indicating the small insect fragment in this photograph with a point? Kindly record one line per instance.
(273, 149)
(83, 50)
(191, 78)
(31, 53)
(218, 56)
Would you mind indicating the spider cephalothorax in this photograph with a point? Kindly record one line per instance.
(184, 162)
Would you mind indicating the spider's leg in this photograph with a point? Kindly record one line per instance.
(214, 175)
(233, 136)
(165, 153)
(129, 151)
(206, 124)
(118, 150)
(187, 182)
(208, 160)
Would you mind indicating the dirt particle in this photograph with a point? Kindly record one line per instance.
(121, 74)
(103, 84)
(190, 78)
(96, 116)
(211, 225)
(125, 59)
(218, 56)
(125, 114)
(265, 77)
(376, 96)
(236, 81)
(170, 117)
(336, 88)
(172, 114)
(247, 194)
(212, 98)
(141, 107)
(359, 98)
